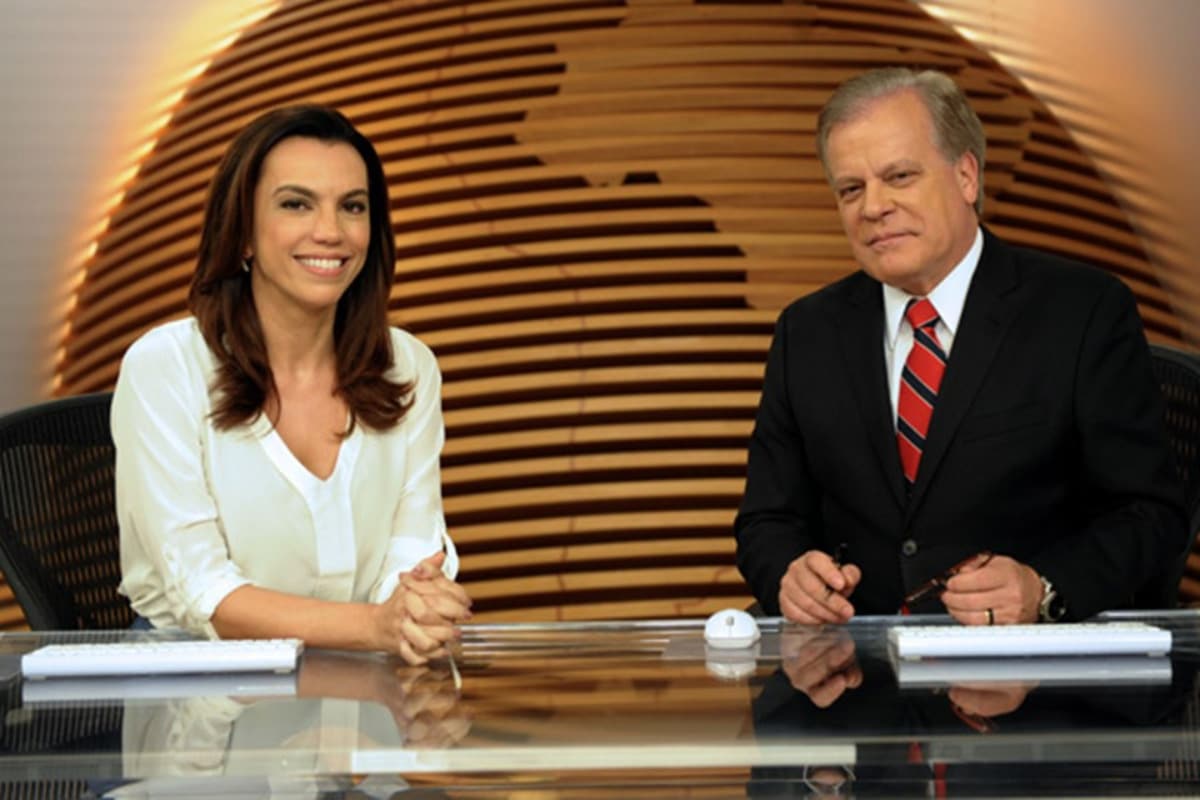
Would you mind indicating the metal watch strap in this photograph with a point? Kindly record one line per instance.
(1048, 610)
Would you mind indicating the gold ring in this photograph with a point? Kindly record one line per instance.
(991, 617)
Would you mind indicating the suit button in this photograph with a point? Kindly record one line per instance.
(909, 548)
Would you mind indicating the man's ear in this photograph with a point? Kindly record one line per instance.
(966, 172)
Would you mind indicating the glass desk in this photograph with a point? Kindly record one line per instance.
(618, 709)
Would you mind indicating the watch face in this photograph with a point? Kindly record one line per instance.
(1056, 609)
(1052, 608)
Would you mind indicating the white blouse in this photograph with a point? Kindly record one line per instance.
(203, 511)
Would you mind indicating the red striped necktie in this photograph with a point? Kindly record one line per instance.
(919, 384)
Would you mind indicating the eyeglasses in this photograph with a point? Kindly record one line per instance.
(938, 582)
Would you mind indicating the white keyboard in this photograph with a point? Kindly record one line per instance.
(1076, 639)
(162, 658)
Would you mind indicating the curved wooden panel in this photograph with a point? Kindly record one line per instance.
(599, 208)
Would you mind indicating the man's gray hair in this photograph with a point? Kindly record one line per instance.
(956, 126)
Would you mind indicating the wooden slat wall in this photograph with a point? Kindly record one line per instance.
(600, 207)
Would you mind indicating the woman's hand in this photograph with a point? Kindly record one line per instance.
(425, 704)
(420, 617)
(433, 598)
(423, 700)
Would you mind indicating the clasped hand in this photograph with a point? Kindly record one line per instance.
(420, 617)
(425, 704)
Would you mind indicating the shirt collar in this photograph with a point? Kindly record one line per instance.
(948, 297)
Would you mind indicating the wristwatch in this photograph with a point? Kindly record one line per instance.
(1052, 608)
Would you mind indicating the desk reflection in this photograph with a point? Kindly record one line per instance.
(822, 664)
(342, 702)
(624, 709)
(969, 737)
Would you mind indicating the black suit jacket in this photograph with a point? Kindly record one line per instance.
(1047, 442)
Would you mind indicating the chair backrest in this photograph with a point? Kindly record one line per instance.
(59, 546)
(1178, 373)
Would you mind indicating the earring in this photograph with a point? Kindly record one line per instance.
(246, 264)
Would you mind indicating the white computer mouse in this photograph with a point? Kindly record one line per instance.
(731, 628)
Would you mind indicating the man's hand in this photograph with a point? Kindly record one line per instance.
(814, 590)
(1001, 592)
(819, 663)
(990, 699)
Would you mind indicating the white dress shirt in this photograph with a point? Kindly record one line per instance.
(948, 298)
(204, 511)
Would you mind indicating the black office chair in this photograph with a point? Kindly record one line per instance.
(1178, 373)
(58, 524)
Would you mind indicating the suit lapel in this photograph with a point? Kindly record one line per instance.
(987, 314)
(860, 335)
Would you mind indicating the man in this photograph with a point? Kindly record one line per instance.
(1008, 432)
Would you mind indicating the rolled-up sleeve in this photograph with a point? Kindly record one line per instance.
(419, 525)
(174, 558)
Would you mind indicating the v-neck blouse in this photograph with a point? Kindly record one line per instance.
(204, 511)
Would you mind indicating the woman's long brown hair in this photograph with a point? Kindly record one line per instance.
(220, 295)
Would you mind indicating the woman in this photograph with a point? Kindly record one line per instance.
(277, 452)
